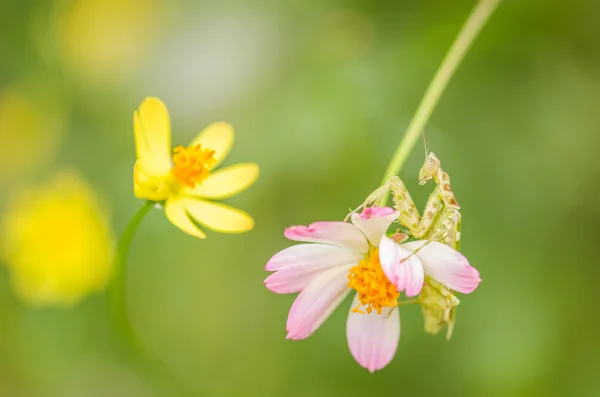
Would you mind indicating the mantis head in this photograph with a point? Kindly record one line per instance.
(429, 169)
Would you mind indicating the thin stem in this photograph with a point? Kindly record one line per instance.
(402, 303)
(118, 288)
(148, 365)
(456, 53)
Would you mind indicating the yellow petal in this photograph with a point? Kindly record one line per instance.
(176, 213)
(146, 186)
(218, 137)
(227, 182)
(152, 131)
(219, 217)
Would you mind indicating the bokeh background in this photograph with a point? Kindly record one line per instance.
(319, 93)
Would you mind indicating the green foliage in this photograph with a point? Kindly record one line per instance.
(319, 94)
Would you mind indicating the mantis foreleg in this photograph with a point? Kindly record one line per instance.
(441, 217)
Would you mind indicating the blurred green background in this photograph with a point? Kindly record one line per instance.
(319, 93)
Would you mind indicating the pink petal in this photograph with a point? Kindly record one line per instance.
(377, 212)
(341, 234)
(316, 302)
(314, 255)
(446, 265)
(374, 222)
(298, 265)
(373, 338)
(403, 269)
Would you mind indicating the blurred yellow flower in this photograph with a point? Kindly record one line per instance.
(104, 41)
(56, 241)
(185, 181)
(31, 129)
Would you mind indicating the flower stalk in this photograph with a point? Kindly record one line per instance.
(118, 287)
(148, 365)
(469, 31)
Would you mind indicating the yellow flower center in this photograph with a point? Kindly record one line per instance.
(373, 287)
(191, 165)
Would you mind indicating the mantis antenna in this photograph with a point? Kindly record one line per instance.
(425, 142)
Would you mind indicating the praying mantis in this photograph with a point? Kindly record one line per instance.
(441, 218)
(441, 222)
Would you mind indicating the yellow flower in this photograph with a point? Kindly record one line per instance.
(104, 41)
(56, 242)
(31, 130)
(185, 180)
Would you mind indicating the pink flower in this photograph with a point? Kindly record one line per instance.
(341, 257)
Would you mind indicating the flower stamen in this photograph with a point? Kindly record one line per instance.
(373, 287)
(191, 165)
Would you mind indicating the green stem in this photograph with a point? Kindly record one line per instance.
(147, 364)
(402, 303)
(459, 48)
(118, 288)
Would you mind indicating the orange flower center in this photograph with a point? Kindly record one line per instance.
(191, 165)
(373, 287)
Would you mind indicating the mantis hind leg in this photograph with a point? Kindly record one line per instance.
(403, 203)
(373, 198)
